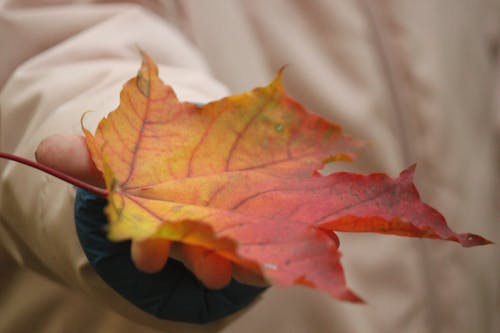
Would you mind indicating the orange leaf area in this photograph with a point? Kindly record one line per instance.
(240, 176)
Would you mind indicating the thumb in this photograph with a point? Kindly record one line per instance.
(69, 154)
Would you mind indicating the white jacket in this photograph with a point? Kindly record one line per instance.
(415, 79)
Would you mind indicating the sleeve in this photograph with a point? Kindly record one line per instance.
(58, 62)
(174, 293)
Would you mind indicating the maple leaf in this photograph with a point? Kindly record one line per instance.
(240, 176)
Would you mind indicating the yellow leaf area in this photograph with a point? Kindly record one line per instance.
(228, 175)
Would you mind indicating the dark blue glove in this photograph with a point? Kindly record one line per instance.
(173, 293)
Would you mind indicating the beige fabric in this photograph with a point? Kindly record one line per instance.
(413, 78)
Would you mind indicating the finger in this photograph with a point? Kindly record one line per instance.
(69, 154)
(210, 268)
(248, 276)
(150, 255)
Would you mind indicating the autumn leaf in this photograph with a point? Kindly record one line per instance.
(240, 176)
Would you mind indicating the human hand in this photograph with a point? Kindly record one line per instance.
(69, 154)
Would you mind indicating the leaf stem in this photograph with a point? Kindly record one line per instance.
(56, 173)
